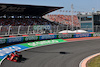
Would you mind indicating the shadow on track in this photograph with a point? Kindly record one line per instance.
(22, 60)
(61, 52)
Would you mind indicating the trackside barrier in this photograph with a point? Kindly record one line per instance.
(1, 37)
(45, 37)
(29, 38)
(64, 36)
(3, 41)
(64, 33)
(20, 47)
(82, 35)
(96, 34)
(25, 35)
(15, 39)
(12, 36)
(51, 33)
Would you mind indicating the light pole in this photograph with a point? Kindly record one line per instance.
(72, 15)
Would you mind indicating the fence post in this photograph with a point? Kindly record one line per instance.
(96, 28)
(54, 29)
(87, 27)
(19, 30)
(0, 28)
(34, 30)
(28, 29)
(9, 30)
(37, 28)
(51, 29)
(67, 28)
(57, 29)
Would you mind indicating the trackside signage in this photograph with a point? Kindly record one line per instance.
(5, 8)
(96, 34)
(43, 37)
(41, 43)
(15, 39)
(41, 27)
(65, 36)
(2, 41)
(31, 38)
(82, 35)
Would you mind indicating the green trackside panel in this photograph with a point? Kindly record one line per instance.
(42, 43)
(91, 35)
(72, 35)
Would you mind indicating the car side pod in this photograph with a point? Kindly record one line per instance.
(8, 58)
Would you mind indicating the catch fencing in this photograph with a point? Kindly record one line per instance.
(38, 29)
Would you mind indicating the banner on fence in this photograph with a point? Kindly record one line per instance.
(41, 27)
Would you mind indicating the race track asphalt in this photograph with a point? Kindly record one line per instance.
(49, 56)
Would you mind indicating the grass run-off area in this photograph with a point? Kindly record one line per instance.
(94, 62)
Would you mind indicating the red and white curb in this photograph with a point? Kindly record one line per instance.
(84, 61)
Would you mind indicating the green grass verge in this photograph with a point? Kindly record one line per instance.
(94, 62)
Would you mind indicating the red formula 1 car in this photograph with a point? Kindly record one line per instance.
(14, 56)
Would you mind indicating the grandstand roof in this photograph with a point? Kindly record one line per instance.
(19, 9)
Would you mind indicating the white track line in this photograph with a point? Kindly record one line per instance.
(85, 60)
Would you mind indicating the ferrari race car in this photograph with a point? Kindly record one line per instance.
(14, 56)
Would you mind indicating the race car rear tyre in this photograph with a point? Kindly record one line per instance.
(16, 58)
(20, 56)
(8, 56)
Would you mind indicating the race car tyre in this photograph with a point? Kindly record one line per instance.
(20, 56)
(8, 56)
(16, 58)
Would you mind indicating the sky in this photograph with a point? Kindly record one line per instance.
(79, 5)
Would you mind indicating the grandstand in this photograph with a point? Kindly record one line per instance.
(18, 19)
(24, 21)
(64, 19)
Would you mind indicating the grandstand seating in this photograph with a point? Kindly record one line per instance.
(64, 19)
(24, 22)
